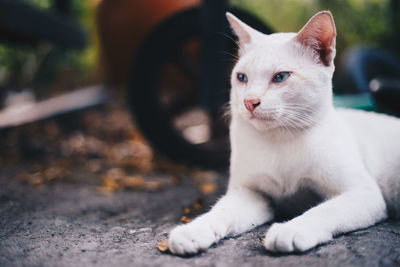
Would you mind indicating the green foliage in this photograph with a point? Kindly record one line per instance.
(22, 66)
(281, 15)
(357, 21)
(11, 62)
(41, 3)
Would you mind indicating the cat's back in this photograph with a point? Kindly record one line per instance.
(377, 136)
(373, 130)
(366, 125)
(378, 139)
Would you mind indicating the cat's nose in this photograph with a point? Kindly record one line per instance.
(251, 104)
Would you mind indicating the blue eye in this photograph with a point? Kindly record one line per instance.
(242, 77)
(281, 77)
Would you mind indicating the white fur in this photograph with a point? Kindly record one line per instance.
(295, 139)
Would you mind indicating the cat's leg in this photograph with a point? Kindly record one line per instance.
(238, 211)
(351, 210)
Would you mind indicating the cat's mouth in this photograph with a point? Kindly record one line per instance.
(262, 117)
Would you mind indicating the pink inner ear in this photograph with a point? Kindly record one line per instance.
(319, 34)
(241, 30)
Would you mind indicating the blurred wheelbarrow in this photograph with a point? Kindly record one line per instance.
(174, 57)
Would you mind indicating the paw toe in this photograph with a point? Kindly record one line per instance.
(179, 243)
(189, 240)
(284, 243)
(288, 238)
(302, 242)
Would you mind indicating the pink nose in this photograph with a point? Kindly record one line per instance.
(251, 104)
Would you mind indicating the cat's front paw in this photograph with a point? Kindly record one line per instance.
(289, 237)
(190, 239)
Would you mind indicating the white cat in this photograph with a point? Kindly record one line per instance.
(286, 135)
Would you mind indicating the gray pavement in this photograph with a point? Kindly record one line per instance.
(70, 224)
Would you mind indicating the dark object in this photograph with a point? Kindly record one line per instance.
(213, 70)
(162, 50)
(22, 23)
(370, 72)
(62, 6)
(361, 65)
(386, 94)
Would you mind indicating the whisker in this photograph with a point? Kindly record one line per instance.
(302, 118)
(230, 38)
(232, 55)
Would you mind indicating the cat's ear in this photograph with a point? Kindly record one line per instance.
(319, 34)
(245, 33)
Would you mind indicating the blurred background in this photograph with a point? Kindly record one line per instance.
(127, 89)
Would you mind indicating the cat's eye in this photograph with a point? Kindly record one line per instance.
(281, 77)
(241, 77)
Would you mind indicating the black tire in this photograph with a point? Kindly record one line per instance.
(144, 90)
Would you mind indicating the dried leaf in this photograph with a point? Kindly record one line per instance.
(153, 185)
(261, 239)
(185, 219)
(103, 190)
(111, 183)
(186, 210)
(115, 173)
(205, 175)
(133, 154)
(53, 173)
(163, 245)
(37, 179)
(125, 220)
(136, 181)
(198, 204)
(208, 188)
(94, 165)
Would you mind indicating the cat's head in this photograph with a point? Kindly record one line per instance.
(284, 79)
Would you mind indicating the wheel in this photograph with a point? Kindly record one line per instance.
(164, 93)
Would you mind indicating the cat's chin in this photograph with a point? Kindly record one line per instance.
(262, 124)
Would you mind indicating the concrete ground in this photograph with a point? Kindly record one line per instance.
(70, 224)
